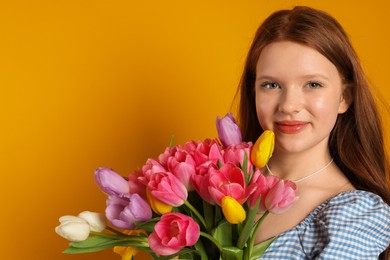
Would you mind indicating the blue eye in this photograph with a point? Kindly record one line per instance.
(314, 85)
(270, 85)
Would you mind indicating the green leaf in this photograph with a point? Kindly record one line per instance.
(218, 215)
(180, 253)
(202, 251)
(247, 230)
(244, 168)
(208, 212)
(232, 253)
(96, 243)
(219, 164)
(93, 241)
(223, 233)
(172, 141)
(75, 248)
(259, 249)
(148, 226)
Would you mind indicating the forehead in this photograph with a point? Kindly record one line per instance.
(286, 58)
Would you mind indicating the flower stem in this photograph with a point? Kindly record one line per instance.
(209, 237)
(101, 234)
(196, 212)
(252, 239)
(115, 231)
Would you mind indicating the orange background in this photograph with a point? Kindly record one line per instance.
(106, 83)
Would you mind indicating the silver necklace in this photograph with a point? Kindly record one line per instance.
(308, 176)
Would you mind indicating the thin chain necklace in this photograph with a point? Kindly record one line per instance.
(306, 177)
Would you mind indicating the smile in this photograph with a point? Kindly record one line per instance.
(291, 127)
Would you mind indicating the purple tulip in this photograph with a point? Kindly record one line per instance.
(229, 132)
(123, 211)
(110, 182)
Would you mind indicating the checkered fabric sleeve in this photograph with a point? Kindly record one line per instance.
(351, 225)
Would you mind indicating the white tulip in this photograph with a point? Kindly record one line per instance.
(73, 228)
(96, 221)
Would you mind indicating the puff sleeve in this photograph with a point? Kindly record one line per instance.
(350, 227)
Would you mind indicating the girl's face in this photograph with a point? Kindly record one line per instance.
(299, 94)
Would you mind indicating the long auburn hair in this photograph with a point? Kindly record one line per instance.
(356, 141)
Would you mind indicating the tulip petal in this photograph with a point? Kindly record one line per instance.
(156, 205)
(229, 132)
(232, 210)
(156, 245)
(110, 182)
(96, 221)
(173, 232)
(73, 229)
(263, 148)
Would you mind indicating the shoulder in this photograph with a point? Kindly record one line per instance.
(354, 201)
(353, 223)
(355, 205)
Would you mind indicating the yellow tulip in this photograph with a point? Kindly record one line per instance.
(128, 252)
(156, 205)
(263, 149)
(232, 210)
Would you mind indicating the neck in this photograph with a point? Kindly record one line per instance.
(297, 166)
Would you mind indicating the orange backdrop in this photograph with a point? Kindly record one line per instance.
(106, 83)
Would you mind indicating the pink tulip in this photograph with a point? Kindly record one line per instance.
(182, 165)
(136, 185)
(188, 147)
(110, 182)
(200, 182)
(227, 181)
(281, 197)
(236, 153)
(207, 151)
(172, 233)
(228, 131)
(261, 186)
(207, 154)
(169, 152)
(150, 168)
(125, 210)
(167, 188)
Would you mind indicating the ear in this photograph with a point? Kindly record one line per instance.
(345, 100)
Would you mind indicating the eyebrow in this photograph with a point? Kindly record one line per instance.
(306, 76)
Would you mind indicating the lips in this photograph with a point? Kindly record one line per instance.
(291, 127)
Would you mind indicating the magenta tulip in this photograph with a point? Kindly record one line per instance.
(167, 188)
(227, 181)
(125, 210)
(110, 182)
(281, 197)
(172, 233)
(229, 132)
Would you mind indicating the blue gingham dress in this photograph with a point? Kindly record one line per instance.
(352, 225)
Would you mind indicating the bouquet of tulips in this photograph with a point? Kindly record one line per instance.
(200, 200)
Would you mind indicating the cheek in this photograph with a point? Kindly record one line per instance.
(264, 110)
(325, 109)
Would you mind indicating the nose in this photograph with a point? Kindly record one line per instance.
(290, 101)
